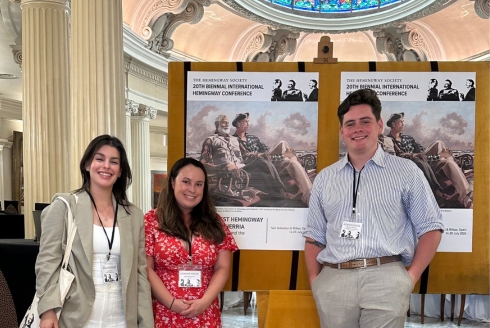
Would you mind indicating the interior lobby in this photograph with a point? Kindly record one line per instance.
(75, 69)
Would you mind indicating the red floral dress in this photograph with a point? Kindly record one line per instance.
(168, 253)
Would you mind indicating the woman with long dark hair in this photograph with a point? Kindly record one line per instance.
(188, 248)
(109, 242)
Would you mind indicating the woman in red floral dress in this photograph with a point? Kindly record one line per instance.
(188, 248)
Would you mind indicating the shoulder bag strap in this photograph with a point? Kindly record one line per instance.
(71, 229)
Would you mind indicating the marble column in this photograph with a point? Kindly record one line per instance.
(45, 105)
(140, 152)
(131, 108)
(97, 75)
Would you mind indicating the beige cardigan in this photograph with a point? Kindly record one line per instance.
(80, 299)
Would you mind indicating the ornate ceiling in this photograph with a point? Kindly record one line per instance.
(157, 31)
(256, 30)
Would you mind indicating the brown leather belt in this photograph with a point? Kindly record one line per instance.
(364, 263)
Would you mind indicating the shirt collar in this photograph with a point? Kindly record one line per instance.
(379, 159)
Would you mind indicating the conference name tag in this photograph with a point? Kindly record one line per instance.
(110, 272)
(350, 230)
(190, 275)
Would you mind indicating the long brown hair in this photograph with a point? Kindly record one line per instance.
(122, 183)
(204, 219)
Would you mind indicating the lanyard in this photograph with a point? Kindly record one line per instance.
(355, 189)
(110, 242)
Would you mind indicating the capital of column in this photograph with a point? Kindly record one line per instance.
(146, 112)
(29, 2)
(131, 107)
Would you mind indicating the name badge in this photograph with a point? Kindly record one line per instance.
(110, 272)
(350, 230)
(190, 275)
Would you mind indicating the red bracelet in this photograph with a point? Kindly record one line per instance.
(170, 308)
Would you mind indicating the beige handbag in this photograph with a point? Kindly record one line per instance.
(31, 319)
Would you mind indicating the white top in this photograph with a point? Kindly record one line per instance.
(101, 245)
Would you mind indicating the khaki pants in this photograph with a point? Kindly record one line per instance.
(374, 297)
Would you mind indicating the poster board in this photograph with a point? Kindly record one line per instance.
(456, 273)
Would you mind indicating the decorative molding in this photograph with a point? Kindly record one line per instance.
(404, 43)
(168, 22)
(482, 8)
(6, 143)
(145, 111)
(131, 107)
(158, 159)
(152, 99)
(160, 7)
(135, 47)
(186, 57)
(259, 43)
(412, 40)
(11, 14)
(278, 18)
(61, 2)
(145, 71)
(435, 47)
(11, 109)
(482, 56)
(271, 45)
(385, 44)
(159, 129)
(17, 52)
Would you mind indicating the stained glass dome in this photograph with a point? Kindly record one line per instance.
(334, 6)
(335, 16)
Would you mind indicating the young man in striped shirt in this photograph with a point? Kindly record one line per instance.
(385, 201)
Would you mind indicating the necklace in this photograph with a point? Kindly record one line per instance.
(106, 219)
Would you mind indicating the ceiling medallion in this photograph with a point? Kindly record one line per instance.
(335, 16)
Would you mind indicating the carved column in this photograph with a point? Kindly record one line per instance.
(45, 105)
(140, 152)
(97, 75)
(131, 108)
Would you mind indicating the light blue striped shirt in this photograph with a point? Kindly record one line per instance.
(394, 204)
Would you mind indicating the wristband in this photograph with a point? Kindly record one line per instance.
(170, 308)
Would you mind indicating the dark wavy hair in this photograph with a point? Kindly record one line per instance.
(122, 183)
(204, 219)
(360, 97)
